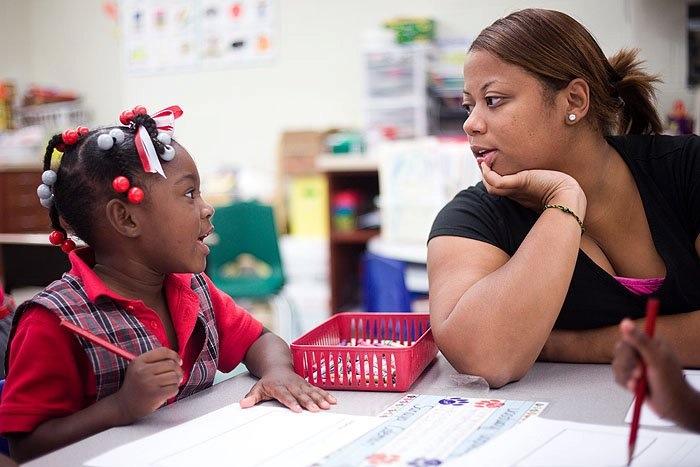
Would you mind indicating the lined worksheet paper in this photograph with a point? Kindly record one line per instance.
(258, 436)
(649, 418)
(542, 442)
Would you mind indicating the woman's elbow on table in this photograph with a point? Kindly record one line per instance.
(495, 375)
(497, 367)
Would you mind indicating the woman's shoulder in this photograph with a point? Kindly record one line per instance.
(655, 147)
(472, 197)
(476, 199)
(672, 162)
(474, 213)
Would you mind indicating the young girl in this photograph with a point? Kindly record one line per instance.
(139, 285)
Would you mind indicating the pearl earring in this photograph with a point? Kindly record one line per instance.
(572, 117)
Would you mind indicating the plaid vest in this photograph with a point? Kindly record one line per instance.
(107, 319)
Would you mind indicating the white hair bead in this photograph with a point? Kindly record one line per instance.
(48, 177)
(43, 191)
(164, 137)
(47, 203)
(117, 134)
(169, 154)
(105, 142)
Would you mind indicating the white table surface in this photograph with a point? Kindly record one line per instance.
(576, 392)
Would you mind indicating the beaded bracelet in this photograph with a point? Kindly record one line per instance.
(568, 211)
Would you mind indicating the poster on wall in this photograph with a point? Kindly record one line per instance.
(179, 35)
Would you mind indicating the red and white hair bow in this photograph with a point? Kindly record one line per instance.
(144, 145)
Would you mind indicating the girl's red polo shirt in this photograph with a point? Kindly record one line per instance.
(49, 375)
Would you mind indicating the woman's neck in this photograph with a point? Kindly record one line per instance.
(605, 179)
(130, 278)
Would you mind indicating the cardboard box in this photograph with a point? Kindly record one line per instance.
(299, 150)
(308, 206)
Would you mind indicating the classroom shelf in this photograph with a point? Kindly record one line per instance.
(355, 236)
(20, 208)
(347, 248)
(346, 163)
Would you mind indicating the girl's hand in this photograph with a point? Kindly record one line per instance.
(290, 389)
(535, 188)
(151, 379)
(668, 393)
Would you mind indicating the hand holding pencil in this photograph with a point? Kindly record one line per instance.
(665, 380)
(640, 389)
(151, 378)
(667, 394)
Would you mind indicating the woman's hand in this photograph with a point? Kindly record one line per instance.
(535, 188)
(290, 389)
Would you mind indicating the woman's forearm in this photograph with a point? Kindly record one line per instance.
(499, 325)
(682, 331)
(589, 346)
(690, 418)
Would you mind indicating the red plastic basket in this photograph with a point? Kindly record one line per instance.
(320, 358)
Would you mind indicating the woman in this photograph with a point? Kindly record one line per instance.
(571, 228)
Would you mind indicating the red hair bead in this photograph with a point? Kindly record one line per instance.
(82, 130)
(70, 137)
(120, 184)
(139, 110)
(68, 246)
(135, 195)
(126, 117)
(56, 237)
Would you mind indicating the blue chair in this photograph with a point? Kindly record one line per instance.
(383, 284)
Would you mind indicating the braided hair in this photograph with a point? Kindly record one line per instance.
(84, 177)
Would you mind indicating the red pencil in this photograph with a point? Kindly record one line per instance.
(641, 389)
(98, 340)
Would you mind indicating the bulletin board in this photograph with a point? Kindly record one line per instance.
(180, 35)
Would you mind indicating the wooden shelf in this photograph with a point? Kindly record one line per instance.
(346, 163)
(355, 236)
(347, 248)
(20, 167)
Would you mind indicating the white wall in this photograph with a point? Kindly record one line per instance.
(659, 31)
(235, 116)
(74, 45)
(14, 41)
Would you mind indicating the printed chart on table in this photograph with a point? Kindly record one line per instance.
(424, 430)
(542, 442)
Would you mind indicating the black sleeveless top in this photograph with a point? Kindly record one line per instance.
(667, 172)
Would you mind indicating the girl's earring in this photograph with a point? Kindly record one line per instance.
(572, 118)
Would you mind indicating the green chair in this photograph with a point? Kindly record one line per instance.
(249, 228)
(246, 227)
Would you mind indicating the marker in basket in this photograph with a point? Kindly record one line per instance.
(641, 389)
(98, 340)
